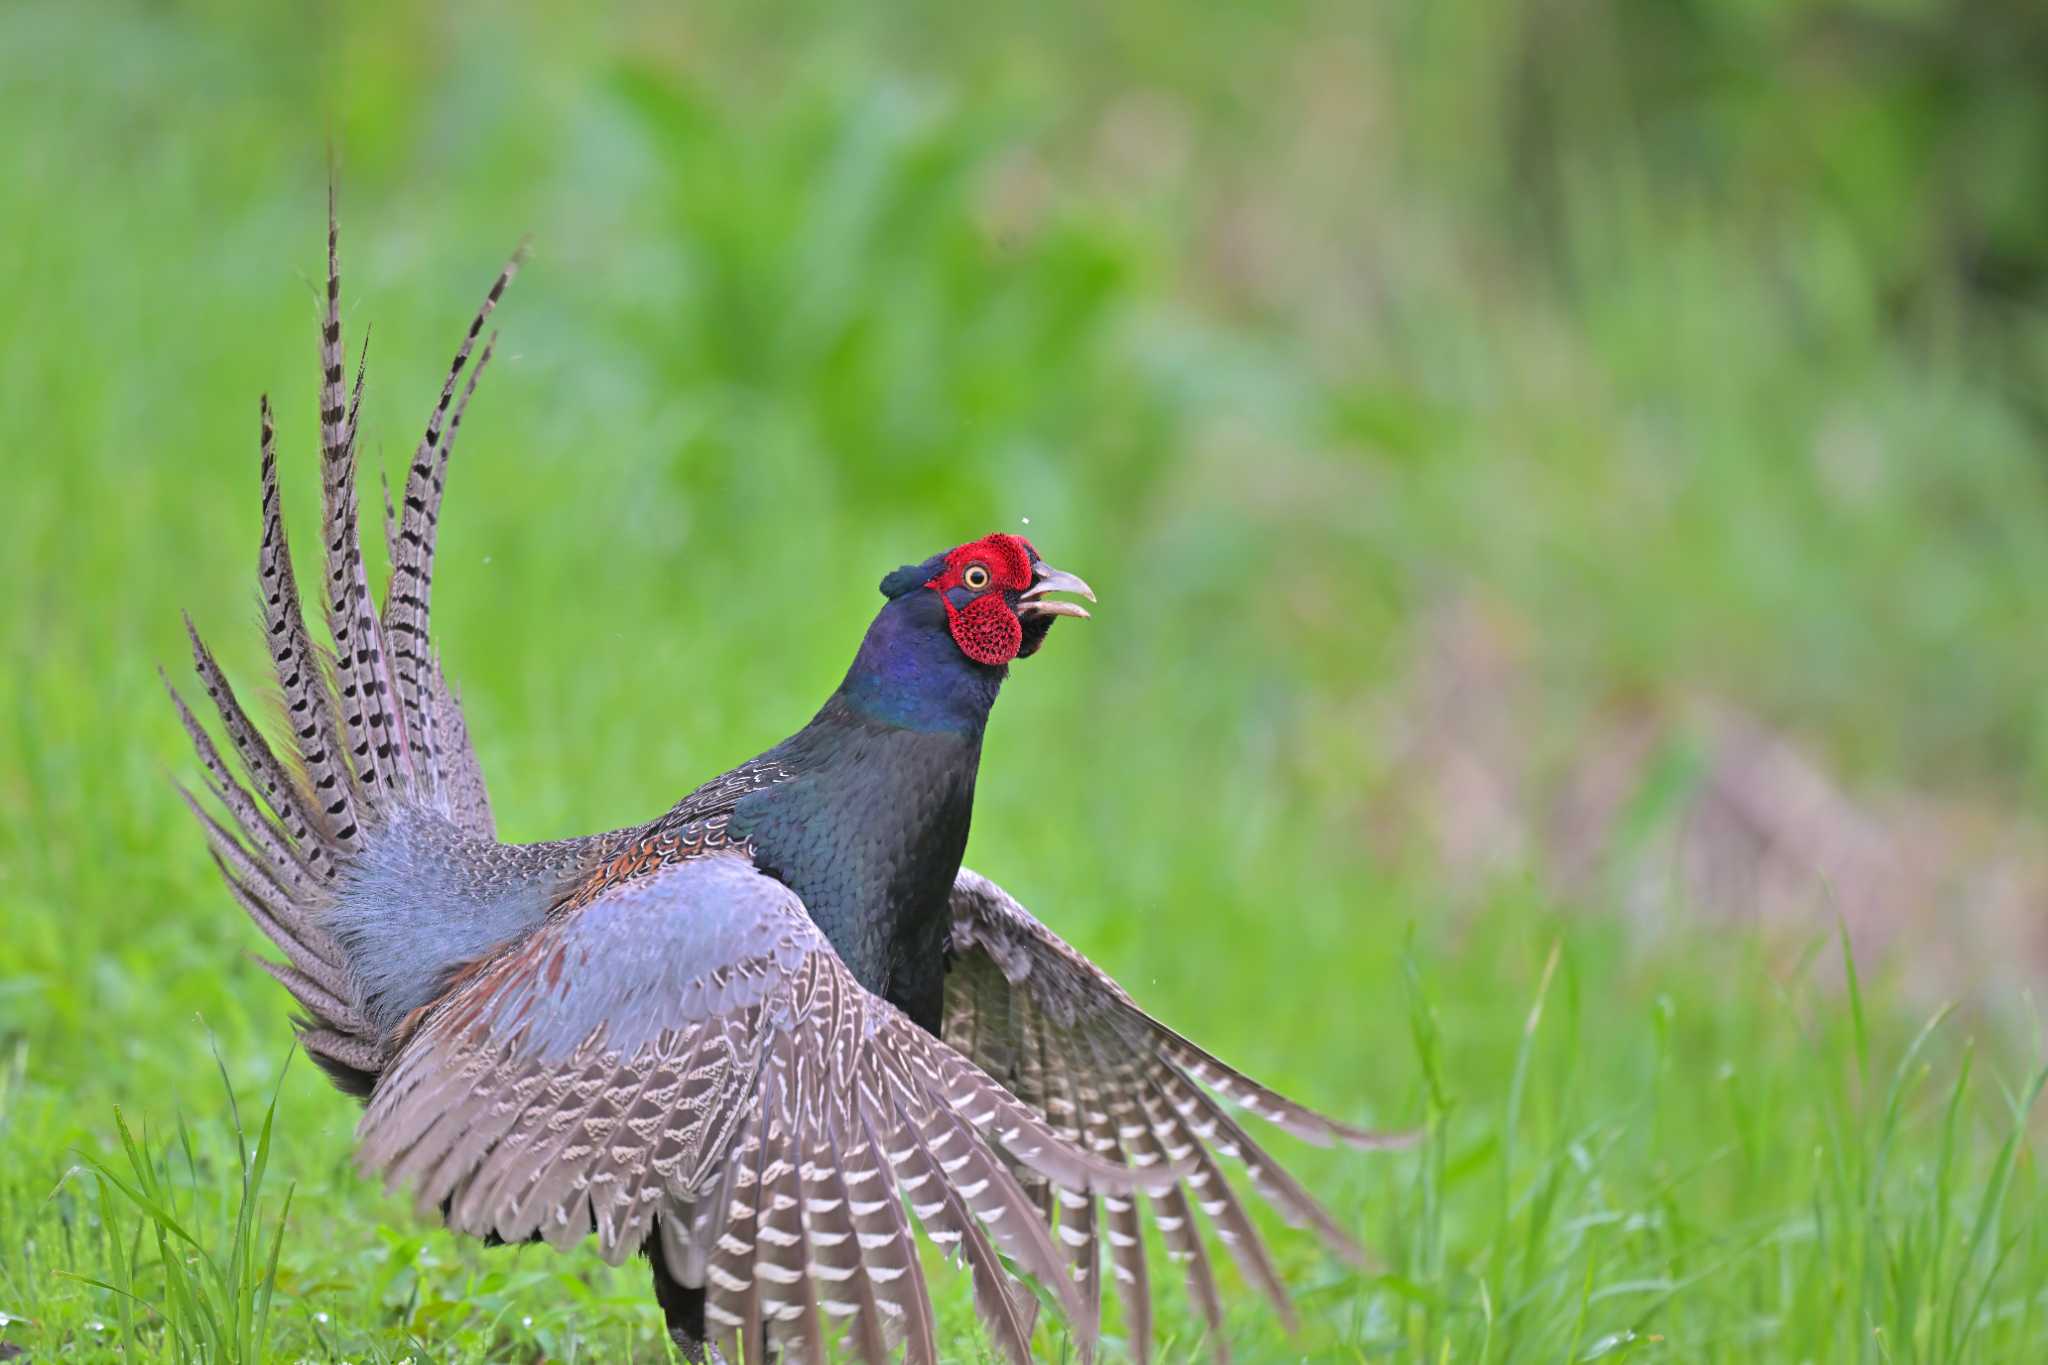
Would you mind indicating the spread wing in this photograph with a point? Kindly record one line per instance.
(684, 1064)
(1069, 1042)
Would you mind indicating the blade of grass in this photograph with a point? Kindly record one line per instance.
(1955, 1334)
(1857, 1023)
(124, 1280)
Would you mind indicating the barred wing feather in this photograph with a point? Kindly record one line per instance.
(1070, 1043)
(684, 1058)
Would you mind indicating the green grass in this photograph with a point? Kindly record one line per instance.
(215, 1301)
(1283, 333)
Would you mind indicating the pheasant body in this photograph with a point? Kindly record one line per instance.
(760, 1038)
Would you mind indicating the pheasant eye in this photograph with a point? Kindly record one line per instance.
(976, 578)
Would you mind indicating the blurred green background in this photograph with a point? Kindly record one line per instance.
(1565, 481)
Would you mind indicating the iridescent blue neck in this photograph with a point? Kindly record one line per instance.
(909, 673)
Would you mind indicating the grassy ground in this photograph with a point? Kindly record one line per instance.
(1280, 332)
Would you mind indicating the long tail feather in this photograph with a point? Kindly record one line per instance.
(330, 1048)
(408, 602)
(326, 1006)
(301, 814)
(362, 670)
(255, 891)
(280, 849)
(309, 709)
(463, 794)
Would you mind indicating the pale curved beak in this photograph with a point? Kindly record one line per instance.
(1045, 578)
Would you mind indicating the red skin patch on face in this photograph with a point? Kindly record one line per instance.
(986, 630)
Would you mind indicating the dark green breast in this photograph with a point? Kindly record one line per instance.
(869, 831)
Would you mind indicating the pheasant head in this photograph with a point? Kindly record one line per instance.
(996, 593)
(942, 643)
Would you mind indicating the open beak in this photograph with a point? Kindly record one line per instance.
(1045, 578)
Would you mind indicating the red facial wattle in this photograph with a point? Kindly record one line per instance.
(986, 629)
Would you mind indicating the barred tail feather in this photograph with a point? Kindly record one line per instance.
(362, 670)
(280, 846)
(308, 703)
(408, 600)
(374, 727)
(463, 794)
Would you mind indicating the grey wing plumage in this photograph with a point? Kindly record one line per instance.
(685, 1059)
(1073, 1045)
